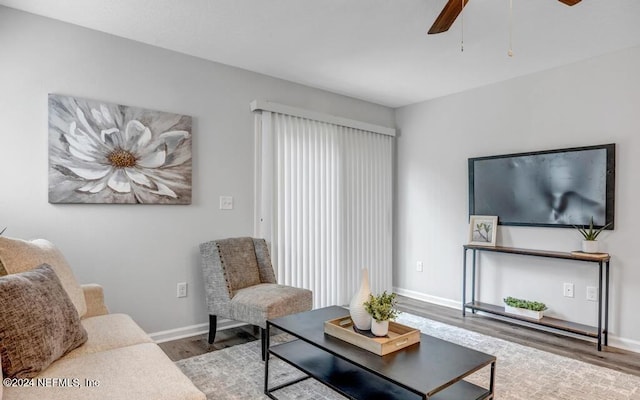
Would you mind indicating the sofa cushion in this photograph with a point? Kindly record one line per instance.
(110, 331)
(38, 322)
(140, 372)
(239, 263)
(21, 255)
(94, 297)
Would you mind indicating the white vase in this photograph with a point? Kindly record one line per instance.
(379, 328)
(590, 246)
(360, 317)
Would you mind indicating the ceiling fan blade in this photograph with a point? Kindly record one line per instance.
(448, 15)
(570, 2)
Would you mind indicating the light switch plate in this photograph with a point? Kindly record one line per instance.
(567, 290)
(182, 289)
(592, 293)
(226, 202)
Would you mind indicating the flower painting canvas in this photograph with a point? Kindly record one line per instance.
(107, 153)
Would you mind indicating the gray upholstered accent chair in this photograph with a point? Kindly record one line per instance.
(240, 285)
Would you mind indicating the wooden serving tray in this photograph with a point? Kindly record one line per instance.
(399, 336)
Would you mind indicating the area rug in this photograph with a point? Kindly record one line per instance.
(522, 373)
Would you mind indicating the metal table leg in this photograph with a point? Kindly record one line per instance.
(473, 281)
(493, 379)
(464, 281)
(606, 305)
(600, 306)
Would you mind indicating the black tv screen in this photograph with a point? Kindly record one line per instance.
(557, 188)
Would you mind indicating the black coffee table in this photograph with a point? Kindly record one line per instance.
(432, 369)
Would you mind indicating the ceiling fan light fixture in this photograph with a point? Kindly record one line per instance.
(570, 2)
(447, 16)
(453, 8)
(510, 51)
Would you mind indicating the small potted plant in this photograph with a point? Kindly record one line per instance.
(590, 244)
(382, 308)
(525, 308)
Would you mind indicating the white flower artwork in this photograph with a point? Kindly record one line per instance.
(107, 153)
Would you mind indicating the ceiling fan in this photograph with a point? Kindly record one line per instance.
(453, 8)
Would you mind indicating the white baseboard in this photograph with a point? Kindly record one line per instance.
(626, 344)
(614, 341)
(441, 301)
(192, 330)
(199, 329)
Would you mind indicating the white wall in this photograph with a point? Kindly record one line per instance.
(587, 103)
(137, 252)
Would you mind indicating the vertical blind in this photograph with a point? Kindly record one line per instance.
(325, 194)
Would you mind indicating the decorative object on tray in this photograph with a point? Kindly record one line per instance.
(368, 333)
(359, 315)
(399, 336)
(483, 229)
(525, 308)
(590, 235)
(381, 308)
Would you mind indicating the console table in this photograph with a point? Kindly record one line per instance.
(602, 260)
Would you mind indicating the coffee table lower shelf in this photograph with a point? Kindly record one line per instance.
(355, 382)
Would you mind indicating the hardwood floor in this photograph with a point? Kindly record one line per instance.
(196, 345)
(610, 357)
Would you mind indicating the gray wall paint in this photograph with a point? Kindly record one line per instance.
(138, 253)
(591, 102)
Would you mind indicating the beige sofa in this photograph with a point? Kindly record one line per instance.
(117, 361)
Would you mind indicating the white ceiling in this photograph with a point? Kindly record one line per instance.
(376, 50)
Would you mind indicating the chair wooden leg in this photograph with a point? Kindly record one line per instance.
(213, 324)
(263, 339)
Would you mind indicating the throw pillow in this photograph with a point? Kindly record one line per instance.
(38, 322)
(18, 255)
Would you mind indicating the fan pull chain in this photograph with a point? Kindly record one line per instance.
(510, 52)
(462, 27)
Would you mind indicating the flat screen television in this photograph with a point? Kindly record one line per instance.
(554, 188)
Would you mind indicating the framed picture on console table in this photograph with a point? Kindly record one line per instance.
(483, 229)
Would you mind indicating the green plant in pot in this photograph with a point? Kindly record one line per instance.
(526, 304)
(526, 308)
(590, 235)
(382, 308)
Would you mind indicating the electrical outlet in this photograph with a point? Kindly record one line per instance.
(419, 266)
(568, 290)
(226, 202)
(592, 293)
(182, 289)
